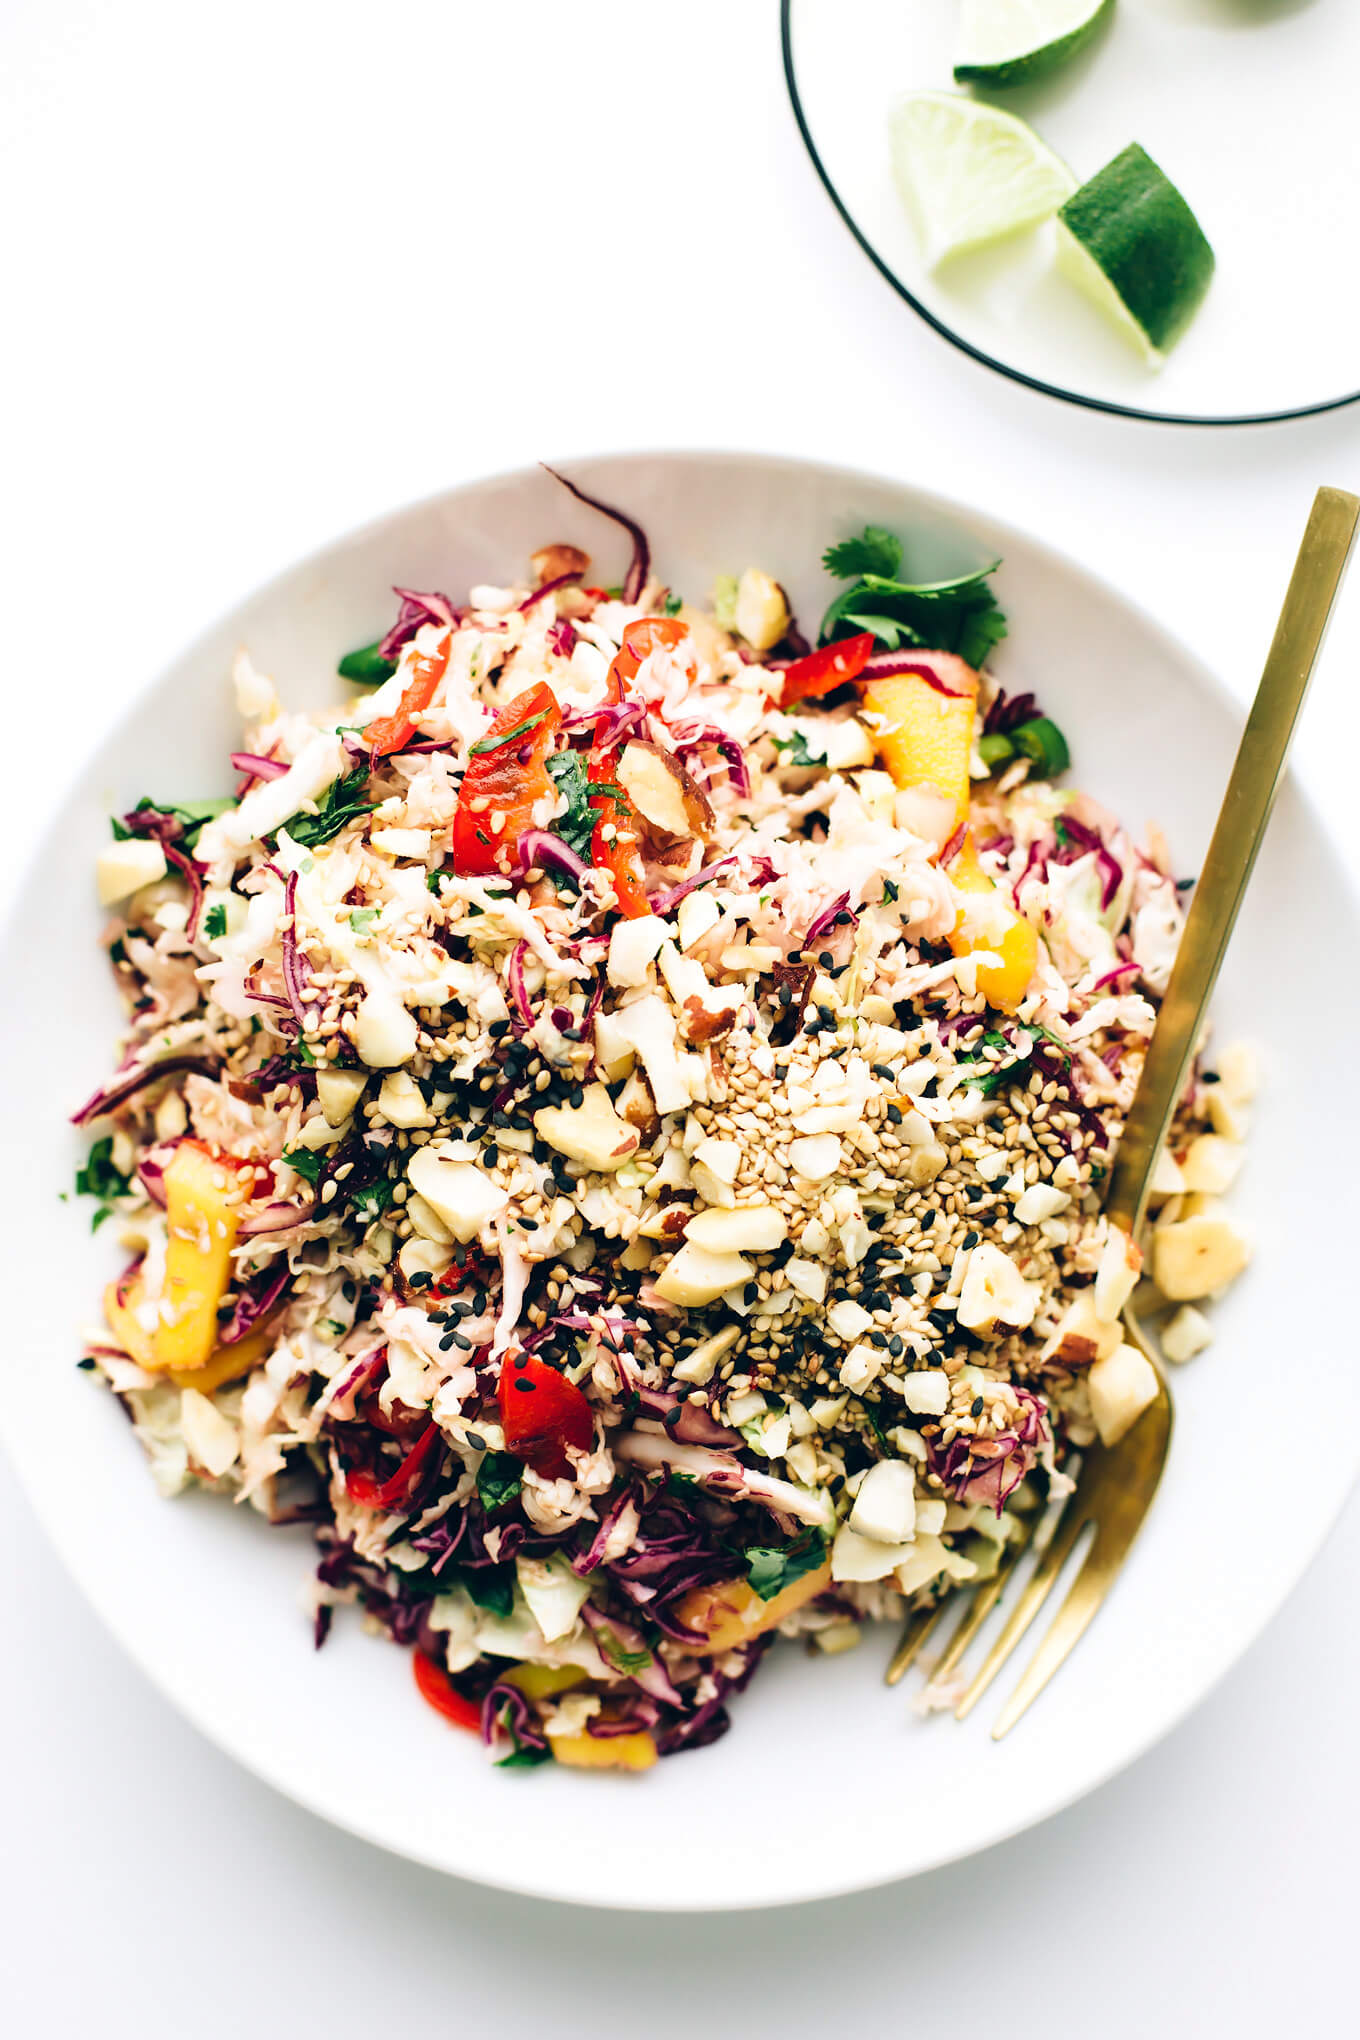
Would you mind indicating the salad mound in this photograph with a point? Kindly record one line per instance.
(611, 1125)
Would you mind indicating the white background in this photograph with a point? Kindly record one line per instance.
(272, 269)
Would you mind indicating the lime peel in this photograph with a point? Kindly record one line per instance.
(1130, 243)
(1003, 43)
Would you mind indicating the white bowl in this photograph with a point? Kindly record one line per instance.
(827, 1782)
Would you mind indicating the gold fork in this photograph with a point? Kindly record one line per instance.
(1117, 1483)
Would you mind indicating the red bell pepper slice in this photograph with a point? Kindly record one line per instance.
(372, 1493)
(435, 1685)
(507, 774)
(615, 839)
(389, 733)
(541, 1414)
(641, 638)
(831, 667)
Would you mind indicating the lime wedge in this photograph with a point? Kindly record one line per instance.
(1017, 42)
(969, 173)
(1131, 243)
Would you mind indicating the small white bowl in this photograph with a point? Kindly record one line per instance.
(827, 1781)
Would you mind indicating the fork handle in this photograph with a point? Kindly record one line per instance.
(1241, 824)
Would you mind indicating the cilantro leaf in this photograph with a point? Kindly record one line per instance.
(215, 922)
(875, 551)
(306, 1162)
(772, 1567)
(363, 917)
(577, 826)
(373, 1199)
(98, 1177)
(499, 1479)
(340, 805)
(490, 1586)
(366, 665)
(959, 614)
(522, 1759)
(794, 751)
(673, 604)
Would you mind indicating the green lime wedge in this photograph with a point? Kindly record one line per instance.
(969, 173)
(1131, 243)
(1017, 42)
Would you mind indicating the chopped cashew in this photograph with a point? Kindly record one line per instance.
(1120, 1387)
(995, 1295)
(590, 1133)
(697, 1276)
(1196, 1256)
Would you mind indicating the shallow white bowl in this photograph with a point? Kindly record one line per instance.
(827, 1782)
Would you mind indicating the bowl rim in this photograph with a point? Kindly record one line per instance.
(219, 1733)
(1058, 391)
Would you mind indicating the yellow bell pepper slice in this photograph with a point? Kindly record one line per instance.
(1002, 984)
(203, 1194)
(635, 1751)
(535, 1682)
(733, 1612)
(923, 735)
(228, 1363)
(121, 1299)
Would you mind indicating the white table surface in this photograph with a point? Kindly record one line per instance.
(273, 268)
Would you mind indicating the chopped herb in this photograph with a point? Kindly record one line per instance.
(491, 1586)
(498, 743)
(673, 604)
(305, 1161)
(98, 1177)
(522, 1759)
(499, 1479)
(373, 1199)
(959, 615)
(341, 805)
(367, 666)
(794, 750)
(890, 889)
(215, 922)
(301, 1054)
(772, 1567)
(363, 917)
(432, 879)
(995, 750)
(875, 551)
(576, 826)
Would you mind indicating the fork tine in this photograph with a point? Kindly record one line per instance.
(1065, 1631)
(984, 1600)
(1037, 1590)
(1116, 1529)
(918, 1627)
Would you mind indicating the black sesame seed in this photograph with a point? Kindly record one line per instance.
(970, 1239)
(895, 1346)
(927, 1219)
(881, 1070)
(975, 1407)
(521, 1360)
(524, 1387)
(826, 959)
(827, 1016)
(895, 1114)
(750, 1292)
(941, 1319)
